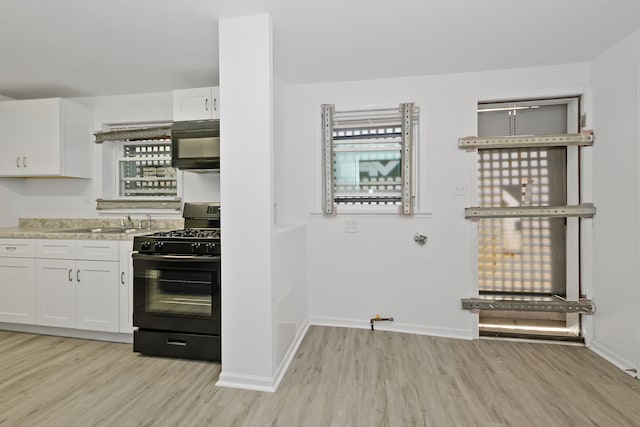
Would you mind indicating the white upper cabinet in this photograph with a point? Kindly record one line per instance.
(45, 137)
(196, 104)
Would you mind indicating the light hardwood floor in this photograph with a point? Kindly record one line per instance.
(339, 377)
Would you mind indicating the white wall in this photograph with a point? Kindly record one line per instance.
(9, 196)
(10, 201)
(616, 186)
(76, 198)
(289, 294)
(289, 249)
(380, 269)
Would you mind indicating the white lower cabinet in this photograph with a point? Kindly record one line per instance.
(56, 293)
(80, 284)
(97, 296)
(17, 281)
(77, 284)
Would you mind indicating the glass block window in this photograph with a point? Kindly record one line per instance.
(145, 169)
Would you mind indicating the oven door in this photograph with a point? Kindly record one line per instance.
(179, 293)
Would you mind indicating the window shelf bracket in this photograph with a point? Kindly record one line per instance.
(526, 141)
(583, 211)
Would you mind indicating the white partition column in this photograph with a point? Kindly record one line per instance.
(246, 131)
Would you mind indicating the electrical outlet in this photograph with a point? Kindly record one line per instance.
(460, 189)
(351, 226)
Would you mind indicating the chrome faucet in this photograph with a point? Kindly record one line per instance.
(148, 222)
(130, 221)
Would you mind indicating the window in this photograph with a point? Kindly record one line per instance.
(137, 171)
(145, 169)
(368, 157)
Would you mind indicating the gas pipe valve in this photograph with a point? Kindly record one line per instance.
(420, 238)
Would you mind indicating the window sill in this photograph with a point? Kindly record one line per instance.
(373, 211)
(119, 204)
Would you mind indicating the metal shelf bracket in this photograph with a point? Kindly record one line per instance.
(583, 211)
(526, 141)
(327, 152)
(134, 134)
(554, 304)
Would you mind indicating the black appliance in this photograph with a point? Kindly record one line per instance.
(196, 144)
(176, 288)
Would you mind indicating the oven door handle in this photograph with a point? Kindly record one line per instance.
(175, 258)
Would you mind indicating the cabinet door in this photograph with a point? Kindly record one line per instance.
(97, 295)
(126, 287)
(39, 139)
(10, 140)
(215, 103)
(55, 293)
(41, 130)
(17, 288)
(196, 104)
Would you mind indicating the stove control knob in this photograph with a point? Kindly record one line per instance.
(210, 248)
(157, 246)
(145, 246)
(195, 247)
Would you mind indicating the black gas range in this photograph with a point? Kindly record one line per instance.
(201, 235)
(176, 287)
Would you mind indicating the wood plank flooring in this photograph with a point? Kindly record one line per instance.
(339, 377)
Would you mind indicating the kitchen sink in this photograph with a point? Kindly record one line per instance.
(100, 230)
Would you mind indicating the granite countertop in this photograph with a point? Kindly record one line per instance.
(72, 228)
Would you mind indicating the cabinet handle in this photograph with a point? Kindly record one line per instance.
(206, 104)
(17, 161)
(24, 161)
(214, 104)
(70, 271)
(122, 278)
(11, 248)
(78, 275)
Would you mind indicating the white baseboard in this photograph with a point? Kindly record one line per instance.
(607, 354)
(261, 383)
(407, 328)
(69, 333)
(246, 382)
(286, 360)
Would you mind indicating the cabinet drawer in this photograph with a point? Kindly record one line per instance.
(57, 249)
(17, 248)
(97, 250)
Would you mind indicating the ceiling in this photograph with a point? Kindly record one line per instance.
(73, 48)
